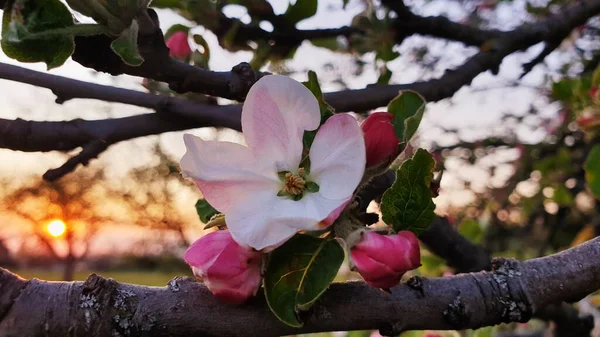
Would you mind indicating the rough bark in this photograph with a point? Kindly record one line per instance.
(512, 292)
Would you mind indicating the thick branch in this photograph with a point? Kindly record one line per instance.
(67, 88)
(33, 136)
(512, 292)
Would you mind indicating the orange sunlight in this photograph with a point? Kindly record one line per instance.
(56, 228)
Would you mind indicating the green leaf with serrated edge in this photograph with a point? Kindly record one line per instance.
(205, 210)
(22, 18)
(301, 10)
(298, 273)
(408, 108)
(592, 170)
(407, 205)
(126, 45)
(326, 110)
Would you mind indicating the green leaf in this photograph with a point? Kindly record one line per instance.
(384, 75)
(327, 43)
(23, 18)
(408, 108)
(205, 210)
(562, 195)
(298, 273)
(407, 205)
(386, 53)
(326, 110)
(301, 10)
(171, 4)
(312, 187)
(126, 45)
(471, 229)
(592, 170)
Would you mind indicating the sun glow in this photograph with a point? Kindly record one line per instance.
(56, 228)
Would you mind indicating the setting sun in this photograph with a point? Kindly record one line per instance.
(56, 228)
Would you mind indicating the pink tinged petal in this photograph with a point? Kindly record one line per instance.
(330, 219)
(226, 173)
(230, 271)
(414, 252)
(381, 141)
(375, 273)
(275, 115)
(337, 157)
(204, 251)
(382, 260)
(178, 45)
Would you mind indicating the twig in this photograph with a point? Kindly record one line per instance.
(89, 151)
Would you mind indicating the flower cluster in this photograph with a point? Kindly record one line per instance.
(273, 187)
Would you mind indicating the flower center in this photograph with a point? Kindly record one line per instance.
(295, 185)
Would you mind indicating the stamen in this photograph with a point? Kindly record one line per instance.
(294, 185)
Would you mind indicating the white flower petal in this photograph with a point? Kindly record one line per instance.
(337, 157)
(275, 115)
(226, 173)
(273, 225)
(258, 229)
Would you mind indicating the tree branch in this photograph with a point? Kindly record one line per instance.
(94, 52)
(512, 292)
(63, 136)
(67, 88)
(409, 23)
(460, 253)
(89, 152)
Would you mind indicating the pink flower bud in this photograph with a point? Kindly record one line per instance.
(381, 141)
(382, 260)
(230, 271)
(179, 47)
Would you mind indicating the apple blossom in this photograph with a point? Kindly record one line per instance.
(382, 259)
(380, 137)
(179, 47)
(230, 271)
(268, 190)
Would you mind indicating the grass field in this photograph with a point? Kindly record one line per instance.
(150, 278)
